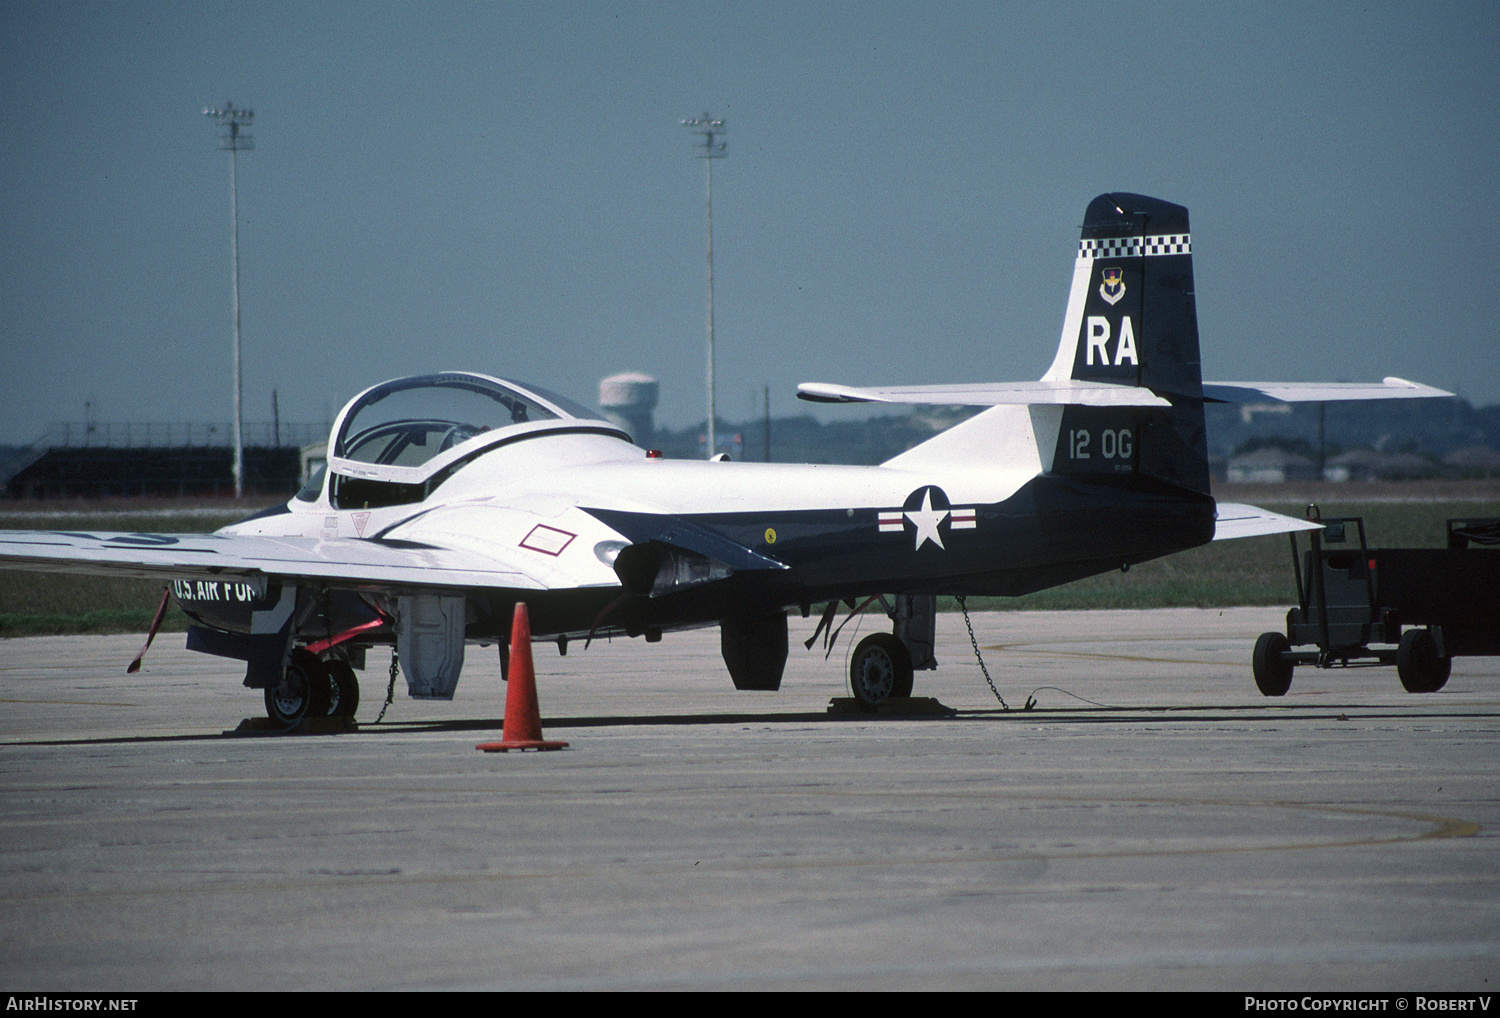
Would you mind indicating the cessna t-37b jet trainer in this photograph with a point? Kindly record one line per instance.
(448, 498)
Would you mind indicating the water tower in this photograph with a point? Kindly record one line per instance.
(627, 399)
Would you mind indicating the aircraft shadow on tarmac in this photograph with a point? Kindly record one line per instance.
(1094, 714)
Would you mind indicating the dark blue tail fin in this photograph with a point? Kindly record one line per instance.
(1132, 320)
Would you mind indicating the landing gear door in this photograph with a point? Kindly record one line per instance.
(271, 637)
(916, 628)
(754, 649)
(430, 643)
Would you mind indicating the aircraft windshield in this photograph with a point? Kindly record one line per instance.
(408, 422)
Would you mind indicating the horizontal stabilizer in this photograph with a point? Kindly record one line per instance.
(1055, 393)
(1238, 520)
(1316, 392)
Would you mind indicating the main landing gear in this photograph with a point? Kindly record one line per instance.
(882, 664)
(313, 687)
(880, 668)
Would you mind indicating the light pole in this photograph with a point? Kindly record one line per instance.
(234, 140)
(709, 128)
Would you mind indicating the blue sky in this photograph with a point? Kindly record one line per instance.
(507, 187)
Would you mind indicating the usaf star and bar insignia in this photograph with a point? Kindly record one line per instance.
(926, 514)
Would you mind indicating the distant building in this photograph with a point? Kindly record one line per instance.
(160, 473)
(1270, 465)
(1354, 465)
(154, 460)
(1406, 466)
(1371, 465)
(1474, 461)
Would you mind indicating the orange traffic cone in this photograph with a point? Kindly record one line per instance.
(523, 722)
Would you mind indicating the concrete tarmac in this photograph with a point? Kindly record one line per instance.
(1152, 823)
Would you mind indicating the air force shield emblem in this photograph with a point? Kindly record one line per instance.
(1112, 285)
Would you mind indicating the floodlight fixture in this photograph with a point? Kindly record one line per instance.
(234, 141)
(709, 128)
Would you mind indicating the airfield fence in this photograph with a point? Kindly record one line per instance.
(95, 435)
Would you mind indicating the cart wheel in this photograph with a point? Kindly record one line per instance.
(1418, 664)
(1273, 673)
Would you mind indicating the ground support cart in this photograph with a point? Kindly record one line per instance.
(1416, 608)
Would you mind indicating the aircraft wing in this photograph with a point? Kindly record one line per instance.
(1316, 392)
(1238, 520)
(1067, 392)
(351, 562)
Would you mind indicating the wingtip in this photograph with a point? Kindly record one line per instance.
(820, 392)
(1403, 383)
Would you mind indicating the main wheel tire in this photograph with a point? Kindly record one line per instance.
(1418, 664)
(343, 690)
(298, 694)
(879, 669)
(1273, 673)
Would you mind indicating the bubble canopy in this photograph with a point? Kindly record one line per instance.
(408, 421)
(403, 430)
